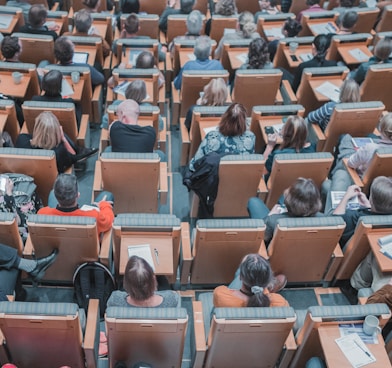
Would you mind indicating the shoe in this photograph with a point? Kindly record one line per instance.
(84, 153)
(42, 265)
(350, 293)
(278, 283)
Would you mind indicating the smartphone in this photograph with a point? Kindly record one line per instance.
(294, 58)
(269, 130)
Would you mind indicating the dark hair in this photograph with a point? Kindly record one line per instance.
(294, 133)
(145, 60)
(130, 6)
(321, 43)
(383, 48)
(302, 198)
(292, 27)
(233, 121)
(139, 279)
(63, 50)
(186, 6)
(136, 91)
(91, 4)
(258, 54)
(10, 46)
(66, 189)
(348, 19)
(131, 24)
(83, 21)
(37, 15)
(312, 2)
(256, 275)
(347, 3)
(51, 83)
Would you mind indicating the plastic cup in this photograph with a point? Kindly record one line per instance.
(75, 76)
(293, 47)
(17, 77)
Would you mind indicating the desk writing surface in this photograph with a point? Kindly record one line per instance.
(163, 262)
(186, 55)
(322, 26)
(334, 356)
(384, 262)
(314, 83)
(236, 56)
(100, 27)
(270, 121)
(301, 50)
(77, 88)
(208, 125)
(90, 49)
(149, 89)
(348, 58)
(8, 87)
(273, 30)
(8, 22)
(57, 21)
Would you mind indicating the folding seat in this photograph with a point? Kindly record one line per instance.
(152, 335)
(202, 262)
(162, 232)
(137, 180)
(49, 335)
(242, 337)
(129, 48)
(33, 42)
(149, 24)
(103, 22)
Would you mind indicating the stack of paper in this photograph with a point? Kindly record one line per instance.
(329, 90)
(355, 350)
(386, 245)
(142, 251)
(336, 197)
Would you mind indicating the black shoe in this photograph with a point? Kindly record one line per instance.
(42, 265)
(84, 153)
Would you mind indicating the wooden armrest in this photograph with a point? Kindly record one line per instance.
(263, 251)
(334, 264)
(163, 182)
(289, 350)
(96, 105)
(353, 174)
(109, 96)
(318, 135)
(91, 333)
(288, 94)
(104, 140)
(104, 254)
(83, 130)
(107, 62)
(185, 143)
(262, 190)
(97, 184)
(175, 105)
(186, 252)
(200, 335)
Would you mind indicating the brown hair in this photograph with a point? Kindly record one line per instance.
(380, 194)
(233, 121)
(131, 24)
(215, 93)
(294, 133)
(47, 131)
(136, 91)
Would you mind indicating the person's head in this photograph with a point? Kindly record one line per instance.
(128, 112)
(66, 190)
(194, 22)
(294, 133)
(51, 83)
(47, 131)
(130, 6)
(291, 27)
(258, 54)
(145, 60)
(202, 49)
(312, 2)
(91, 5)
(348, 19)
(383, 48)
(385, 126)
(215, 93)
(233, 121)
(256, 275)
(83, 21)
(186, 6)
(321, 44)
(64, 50)
(349, 92)
(131, 24)
(246, 24)
(380, 195)
(226, 7)
(11, 47)
(136, 91)
(139, 279)
(302, 198)
(37, 15)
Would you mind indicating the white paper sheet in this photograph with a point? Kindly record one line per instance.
(355, 350)
(143, 251)
(329, 90)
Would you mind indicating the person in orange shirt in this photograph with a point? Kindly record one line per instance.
(258, 286)
(65, 191)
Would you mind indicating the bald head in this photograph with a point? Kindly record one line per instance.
(128, 112)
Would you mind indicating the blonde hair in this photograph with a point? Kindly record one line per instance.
(385, 126)
(349, 91)
(247, 24)
(47, 131)
(215, 93)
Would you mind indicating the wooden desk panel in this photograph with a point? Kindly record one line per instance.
(314, 83)
(77, 87)
(235, 56)
(344, 51)
(8, 23)
(384, 262)
(8, 87)
(270, 121)
(306, 49)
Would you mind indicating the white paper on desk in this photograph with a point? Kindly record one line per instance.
(142, 251)
(274, 32)
(323, 28)
(210, 129)
(350, 328)
(329, 90)
(337, 196)
(358, 54)
(191, 56)
(306, 56)
(355, 350)
(66, 89)
(242, 57)
(5, 20)
(228, 31)
(386, 249)
(121, 88)
(384, 240)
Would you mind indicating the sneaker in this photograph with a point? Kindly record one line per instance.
(278, 283)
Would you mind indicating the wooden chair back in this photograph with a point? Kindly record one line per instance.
(9, 232)
(8, 120)
(367, 18)
(176, 26)
(385, 23)
(149, 24)
(248, 5)
(221, 22)
(153, 7)
(135, 45)
(31, 43)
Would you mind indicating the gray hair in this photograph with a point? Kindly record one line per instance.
(202, 48)
(83, 21)
(194, 22)
(66, 190)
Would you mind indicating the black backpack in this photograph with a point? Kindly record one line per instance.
(93, 280)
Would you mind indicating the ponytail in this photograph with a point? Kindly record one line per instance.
(257, 297)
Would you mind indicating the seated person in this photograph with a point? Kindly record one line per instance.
(346, 22)
(125, 133)
(294, 134)
(202, 51)
(258, 56)
(300, 199)
(140, 284)
(221, 7)
(231, 138)
(349, 92)
(214, 94)
(313, 6)
(256, 278)
(36, 22)
(51, 86)
(11, 48)
(320, 48)
(382, 54)
(92, 6)
(185, 8)
(63, 201)
(127, 7)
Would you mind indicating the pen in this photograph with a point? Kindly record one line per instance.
(356, 343)
(156, 255)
